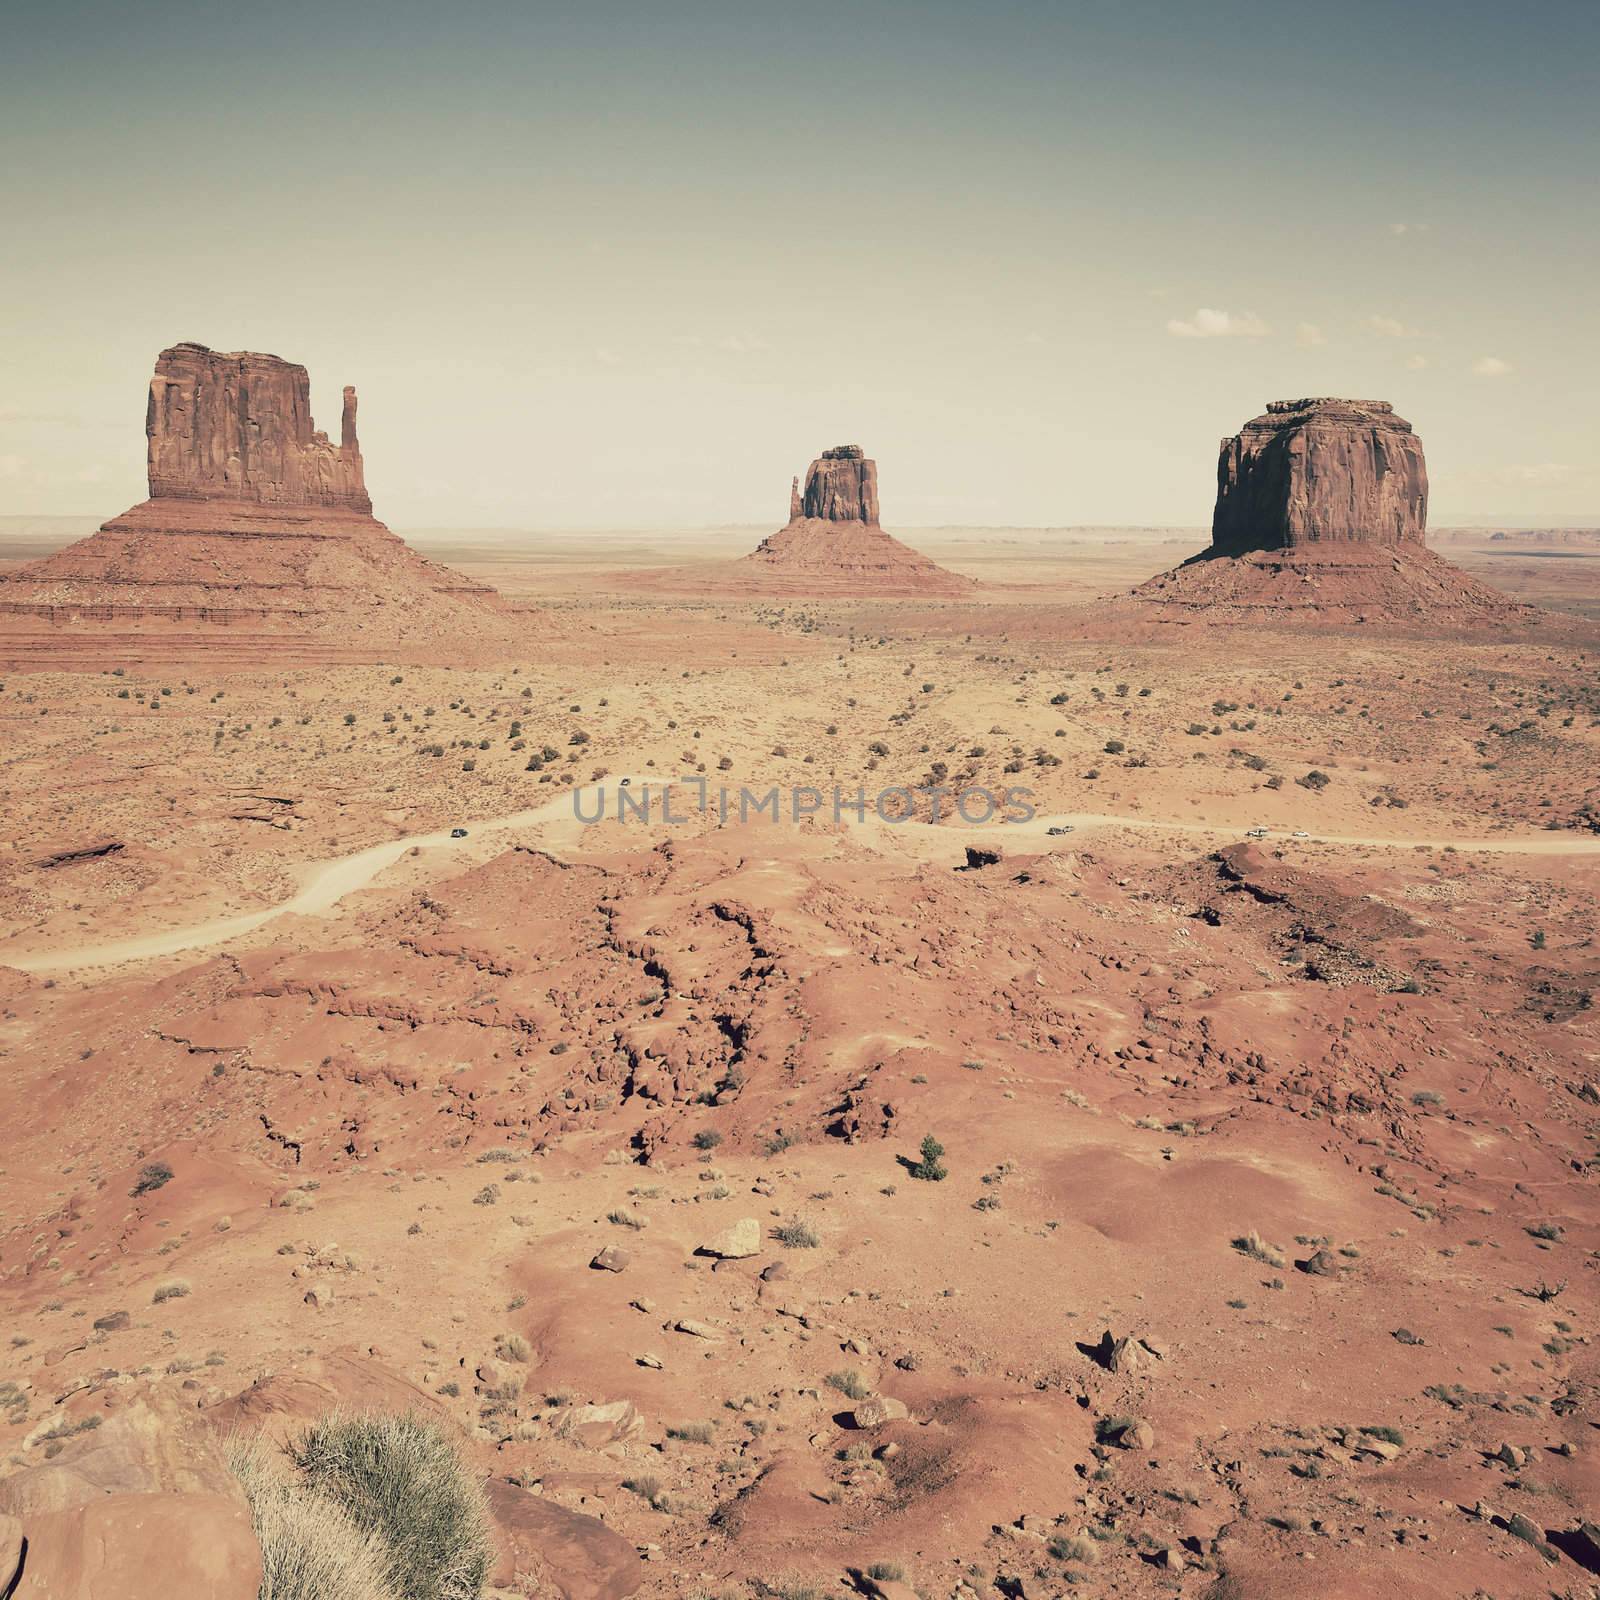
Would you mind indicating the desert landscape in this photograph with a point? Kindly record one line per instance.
(1010, 1014)
(1188, 1187)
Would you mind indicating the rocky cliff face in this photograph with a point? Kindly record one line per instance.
(841, 486)
(238, 426)
(1318, 471)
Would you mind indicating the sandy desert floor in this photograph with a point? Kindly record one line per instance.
(1264, 1262)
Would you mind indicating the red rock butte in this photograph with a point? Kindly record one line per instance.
(834, 544)
(256, 520)
(1322, 507)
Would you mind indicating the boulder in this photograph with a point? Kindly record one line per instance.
(141, 1507)
(739, 1239)
(555, 1551)
(142, 1547)
(878, 1409)
(597, 1425)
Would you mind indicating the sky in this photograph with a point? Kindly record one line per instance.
(633, 263)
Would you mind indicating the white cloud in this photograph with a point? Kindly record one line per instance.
(608, 358)
(739, 345)
(1208, 324)
(1416, 363)
(1392, 328)
(11, 466)
(1309, 335)
(1491, 367)
(1398, 228)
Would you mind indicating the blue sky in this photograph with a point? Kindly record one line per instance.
(630, 264)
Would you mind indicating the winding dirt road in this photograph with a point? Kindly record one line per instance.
(329, 882)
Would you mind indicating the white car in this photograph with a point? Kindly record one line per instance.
(1300, 833)
(1059, 829)
(1256, 833)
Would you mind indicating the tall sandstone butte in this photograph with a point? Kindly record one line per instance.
(238, 426)
(1322, 507)
(834, 543)
(255, 519)
(1320, 471)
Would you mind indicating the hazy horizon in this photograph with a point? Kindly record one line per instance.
(630, 266)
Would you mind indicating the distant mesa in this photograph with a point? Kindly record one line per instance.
(255, 518)
(833, 543)
(1322, 507)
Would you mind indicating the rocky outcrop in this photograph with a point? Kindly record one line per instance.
(256, 522)
(237, 426)
(841, 486)
(139, 1508)
(1320, 471)
(1322, 507)
(833, 543)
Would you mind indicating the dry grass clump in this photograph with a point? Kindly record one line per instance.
(1253, 1245)
(173, 1289)
(399, 1478)
(797, 1234)
(310, 1548)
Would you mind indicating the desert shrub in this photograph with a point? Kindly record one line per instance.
(1253, 1245)
(930, 1168)
(173, 1289)
(850, 1383)
(707, 1139)
(797, 1234)
(1074, 1548)
(151, 1176)
(692, 1432)
(399, 1477)
(310, 1548)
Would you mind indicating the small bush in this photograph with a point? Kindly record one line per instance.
(707, 1139)
(399, 1477)
(850, 1383)
(1253, 1245)
(797, 1234)
(693, 1432)
(173, 1289)
(929, 1168)
(151, 1176)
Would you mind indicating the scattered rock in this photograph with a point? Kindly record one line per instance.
(738, 1240)
(611, 1259)
(597, 1425)
(698, 1330)
(877, 1409)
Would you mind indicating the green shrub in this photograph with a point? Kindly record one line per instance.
(929, 1168)
(399, 1477)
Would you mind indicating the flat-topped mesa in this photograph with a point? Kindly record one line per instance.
(237, 426)
(841, 486)
(1319, 471)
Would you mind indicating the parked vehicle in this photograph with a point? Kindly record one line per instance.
(458, 833)
(1059, 828)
